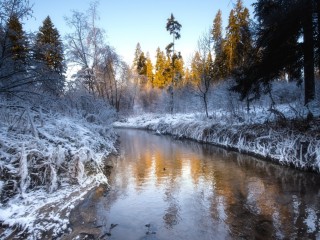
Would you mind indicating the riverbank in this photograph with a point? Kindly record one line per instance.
(49, 161)
(287, 142)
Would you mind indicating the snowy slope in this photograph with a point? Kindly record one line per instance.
(48, 162)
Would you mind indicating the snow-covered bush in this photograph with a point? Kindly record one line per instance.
(48, 150)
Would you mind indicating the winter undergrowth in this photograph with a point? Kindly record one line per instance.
(50, 157)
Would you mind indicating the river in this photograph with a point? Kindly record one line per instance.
(162, 188)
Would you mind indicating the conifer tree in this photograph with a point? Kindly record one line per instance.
(49, 54)
(238, 38)
(196, 69)
(137, 54)
(142, 65)
(14, 59)
(178, 70)
(14, 77)
(159, 77)
(173, 27)
(217, 33)
(17, 46)
(149, 71)
(220, 61)
(285, 42)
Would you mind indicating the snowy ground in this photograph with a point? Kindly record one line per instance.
(48, 162)
(265, 133)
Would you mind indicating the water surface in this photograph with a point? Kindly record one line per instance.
(168, 189)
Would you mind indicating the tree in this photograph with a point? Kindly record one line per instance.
(308, 51)
(173, 27)
(137, 54)
(238, 38)
(159, 78)
(178, 70)
(50, 57)
(18, 44)
(16, 74)
(142, 65)
(149, 71)
(196, 69)
(281, 27)
(318, 36)
(202, 70)
(217, 33)
(101, 72)
(86, 46)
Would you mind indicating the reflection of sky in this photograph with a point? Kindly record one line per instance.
(185, 191)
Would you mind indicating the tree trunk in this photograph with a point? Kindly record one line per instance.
(171, 99)
(205, 100)
(308, 48)
(318, 40)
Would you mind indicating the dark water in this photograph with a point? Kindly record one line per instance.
(168, 189)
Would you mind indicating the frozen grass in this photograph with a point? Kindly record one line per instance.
(279, 137)
(48, 161)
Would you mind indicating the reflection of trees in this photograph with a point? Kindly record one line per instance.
(171, 216)
(254, 198)
(273, 198)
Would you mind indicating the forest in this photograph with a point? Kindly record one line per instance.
(252, 85)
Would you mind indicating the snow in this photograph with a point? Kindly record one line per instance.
(49, 160)
(258, 132)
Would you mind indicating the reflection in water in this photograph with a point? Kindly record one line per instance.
(168, 189)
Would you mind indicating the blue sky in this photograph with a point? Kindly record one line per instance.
(128, 22)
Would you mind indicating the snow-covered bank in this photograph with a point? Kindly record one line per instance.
(48, 162)
(290, 142)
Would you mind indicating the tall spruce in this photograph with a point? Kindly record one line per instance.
(137, 54)
(50, 57)
(17, 43)
(14, 58)
(149, 71)
(14, 77)
(159, 77)
(220, 60)
(217, 33)
(142, 64)
(238, 37)
(285, 43)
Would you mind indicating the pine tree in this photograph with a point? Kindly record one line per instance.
(196, 69)
(137, 54)
(18, 45)
(238, 38)
(168, 74)
(220, 61)
(16, 75)
(178, 70)
(217, 33)
(142, 64)
(49, 54)
(173, 27)
(149, 71)
(14, 51)
(159, 78)
(285, 43)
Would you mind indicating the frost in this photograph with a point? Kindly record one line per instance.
(23, 171)
(48, 161)
(311, 220)
(286, 145)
